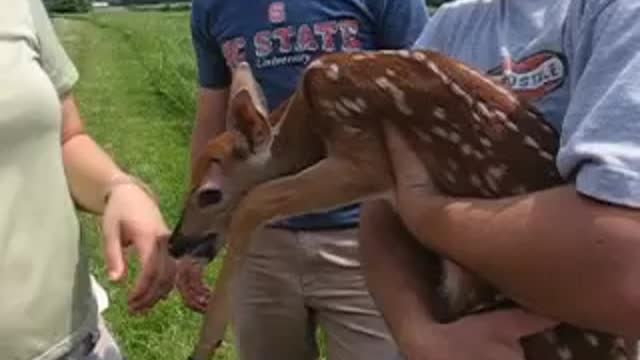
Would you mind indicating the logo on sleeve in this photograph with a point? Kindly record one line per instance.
(277, 13)
(534, 76)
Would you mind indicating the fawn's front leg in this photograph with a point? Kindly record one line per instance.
(329, 183)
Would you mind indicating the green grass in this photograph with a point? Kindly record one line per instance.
(136, 93)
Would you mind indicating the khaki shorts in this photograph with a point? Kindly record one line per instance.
(295, 281)
(98, 346)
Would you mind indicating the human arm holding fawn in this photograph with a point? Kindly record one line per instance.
(580, 241)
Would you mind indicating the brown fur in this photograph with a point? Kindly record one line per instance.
(325, 147)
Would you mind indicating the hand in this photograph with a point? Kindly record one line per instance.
(414, 189)
(411, 176)
(190, 284)
(490, 336)
(131, 217)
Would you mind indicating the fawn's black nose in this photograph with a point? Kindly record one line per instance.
(208, 197)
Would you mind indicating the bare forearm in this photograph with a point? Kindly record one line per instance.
(398, 273)
(90, 171)
(555, 251)
(210, 119)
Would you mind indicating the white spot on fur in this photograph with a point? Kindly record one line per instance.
(564, 353)
(454, 137)
(390, 72)
(352, 130)
(457, 90)
(592, 339)
(333, 72)
(326, 104)
(485, 142)
(419, 56)
(351, 105)
(533, 115)
(466, 149)
(439, 131)
(334, 115)
(316, 64)
(491, 182)
(475, 181)
(528, 140)
(361, 103)
(359, 57)
(545, 155)
(424, 136)
(491, 83)
(443, 77)
(497, 172)
(341, 109)
(449, 176)
(478, 155)
(501, 115)
(397, 94)
(484, 110)
(404, 53)
(511, 126)
(440, 113)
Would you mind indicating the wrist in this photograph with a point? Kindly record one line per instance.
(120, 180)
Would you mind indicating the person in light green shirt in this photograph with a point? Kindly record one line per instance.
(48, 169)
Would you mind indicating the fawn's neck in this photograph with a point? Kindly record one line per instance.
(296, 146)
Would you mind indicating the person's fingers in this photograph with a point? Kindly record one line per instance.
(148, 248)
(114, 255)
(159, 283)
(409, 171)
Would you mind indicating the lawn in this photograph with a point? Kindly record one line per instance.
(136, 93)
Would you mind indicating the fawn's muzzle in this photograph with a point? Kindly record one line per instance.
(204, 246)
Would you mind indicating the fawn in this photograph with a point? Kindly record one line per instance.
(324, 147)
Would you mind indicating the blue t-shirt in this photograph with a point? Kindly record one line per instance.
(577, 61)
(279, 38)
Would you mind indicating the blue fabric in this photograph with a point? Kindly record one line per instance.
(279, 38)
(577, 61)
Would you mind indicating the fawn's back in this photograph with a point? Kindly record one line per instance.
(325, 147)
(474, 137)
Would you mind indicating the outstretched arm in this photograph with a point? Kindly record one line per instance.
(554, 251)
(129, 214)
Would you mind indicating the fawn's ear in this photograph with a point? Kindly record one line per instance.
(248, 109)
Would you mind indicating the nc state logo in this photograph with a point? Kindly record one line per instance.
(277, 12)
(535, 75)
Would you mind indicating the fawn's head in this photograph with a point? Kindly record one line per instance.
(231, 164)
